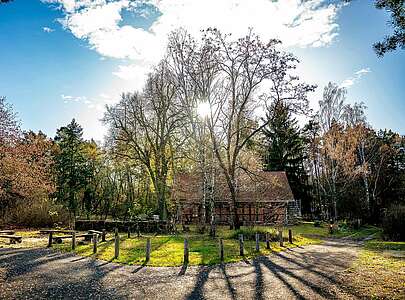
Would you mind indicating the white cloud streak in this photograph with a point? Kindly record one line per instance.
(348, 82)
(97, 103)
(68, 98)
(47, 29)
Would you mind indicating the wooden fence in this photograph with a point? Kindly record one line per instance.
(95, 236)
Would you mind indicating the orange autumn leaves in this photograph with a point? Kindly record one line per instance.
(25, 161)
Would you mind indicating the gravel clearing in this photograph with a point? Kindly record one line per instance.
(309, 272)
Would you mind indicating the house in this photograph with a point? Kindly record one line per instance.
(263, 198)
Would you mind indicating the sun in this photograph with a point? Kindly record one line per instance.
(203, 109)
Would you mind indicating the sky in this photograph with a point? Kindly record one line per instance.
(64, 59)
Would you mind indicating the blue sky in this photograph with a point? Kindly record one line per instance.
(67, 59)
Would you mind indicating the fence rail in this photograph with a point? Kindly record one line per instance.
(254, 246)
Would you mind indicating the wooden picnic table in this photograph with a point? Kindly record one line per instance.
(48, 231)
(13, 238)
(58, 239)
(51, 232)
(96, 231)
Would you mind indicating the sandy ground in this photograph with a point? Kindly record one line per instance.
(309, 272)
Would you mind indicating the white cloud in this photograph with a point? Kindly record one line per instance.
(363, 71)
(68, 98)
(48, 29)
(97, 103)
(311, 23)
(135, 73)
(348, 82)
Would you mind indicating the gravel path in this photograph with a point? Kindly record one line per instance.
(305, 273)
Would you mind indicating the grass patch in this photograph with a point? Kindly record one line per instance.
(359, 234)
(385, 245)
(168, 250)
(379, 271)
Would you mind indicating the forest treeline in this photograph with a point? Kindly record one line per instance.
(216, 104)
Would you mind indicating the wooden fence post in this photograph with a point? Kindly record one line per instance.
(103, 236)
(116, 244)
(129, 232)
(73, 240)
(221, 249)
(257, 242)
(267, 241)
(148, 249)
(50, 239)
(138, 230)
(241, 253)
(290, 237)
(280, 237)
(186, 252)
(94, 242)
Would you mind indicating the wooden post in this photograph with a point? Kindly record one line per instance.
(138, 230)
(148, 249)
(290, 237)
(129, 232)
(267, 241)
(257, 242)
(94, 242)
(221, 249)
(50, 239)
(186, 252)
(73, 240)
(116, 244)
(280, 237)
(241, 253)
(103, 236)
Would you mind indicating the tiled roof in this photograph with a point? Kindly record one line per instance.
(255, 187)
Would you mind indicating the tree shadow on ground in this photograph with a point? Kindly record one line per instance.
(201, 279)
(315, 277)
(229, 285)
(54, 275)
(298, 274)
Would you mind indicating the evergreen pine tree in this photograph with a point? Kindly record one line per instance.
(284, 150)
(72, 170)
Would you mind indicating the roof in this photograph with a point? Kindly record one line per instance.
(259, 186)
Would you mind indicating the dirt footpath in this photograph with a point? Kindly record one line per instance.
(301, 273)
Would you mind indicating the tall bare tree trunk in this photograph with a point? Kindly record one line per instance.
(364, 175)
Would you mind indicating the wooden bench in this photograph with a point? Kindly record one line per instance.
(8, 232)
(51, 232)
(13, 238)
(58, 239)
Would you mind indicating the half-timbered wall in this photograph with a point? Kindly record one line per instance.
(248, 213)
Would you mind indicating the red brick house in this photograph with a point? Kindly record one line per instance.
(264, 198)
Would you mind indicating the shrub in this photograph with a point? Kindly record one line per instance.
(394, 223)
(37, 213)
(317, 223)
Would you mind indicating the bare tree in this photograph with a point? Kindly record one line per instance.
(194, 73)
(344, 130)
(231, 75)
(145, 127)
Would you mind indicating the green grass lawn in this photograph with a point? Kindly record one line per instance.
(379, 271)
(167, 250)
(361, 233)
